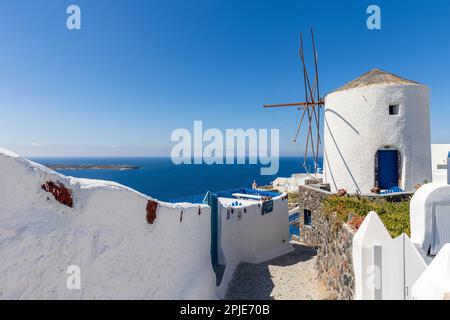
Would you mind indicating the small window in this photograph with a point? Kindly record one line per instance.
(394, 109)
(441, 166)
(307, 220)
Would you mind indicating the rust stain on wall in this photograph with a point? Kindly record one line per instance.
(151, 211)
(60, 192)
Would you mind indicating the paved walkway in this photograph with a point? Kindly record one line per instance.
(289, 277)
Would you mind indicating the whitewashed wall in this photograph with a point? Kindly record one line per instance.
(106, 234)
(401, 265)
(424, 204)
(396, 268)
(371, 233)
(357, 124)
(254, 237)
(434, 283)
(385, 268)
(439, 154)
(291, 184)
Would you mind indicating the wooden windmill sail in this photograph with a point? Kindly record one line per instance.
(310, 107)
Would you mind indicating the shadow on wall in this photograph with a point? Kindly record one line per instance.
(254, 281)
(339, 151)
(330, 171)
(343, 119)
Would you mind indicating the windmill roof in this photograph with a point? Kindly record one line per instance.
(376, 76)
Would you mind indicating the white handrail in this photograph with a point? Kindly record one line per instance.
(295, 210)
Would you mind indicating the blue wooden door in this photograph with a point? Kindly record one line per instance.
(387, 169)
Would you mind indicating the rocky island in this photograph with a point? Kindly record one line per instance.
(91, 166)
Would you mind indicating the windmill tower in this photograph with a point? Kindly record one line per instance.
(377, 134)
(376, 131)
(310, 109)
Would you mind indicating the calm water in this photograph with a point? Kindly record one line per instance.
(161, 179)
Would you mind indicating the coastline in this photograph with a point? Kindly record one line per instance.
(91, 166)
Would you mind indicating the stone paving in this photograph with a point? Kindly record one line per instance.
(289, 277)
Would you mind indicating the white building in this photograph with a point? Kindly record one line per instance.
(377, 133)
(439, 154)
(430, 217)
(291, 184)
(250, 232)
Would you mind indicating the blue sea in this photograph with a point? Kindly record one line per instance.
(163, 180)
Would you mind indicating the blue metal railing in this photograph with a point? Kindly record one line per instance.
(197, 198)
(294, 217)
(227, 193)
(294, 228)
(392, 190)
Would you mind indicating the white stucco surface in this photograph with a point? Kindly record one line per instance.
(292, 183)
(422, 206)
(434, 283)
(371, 232)
(120, 255)
(439, 154)
(384, 268)
(357, 124)
(250, 236)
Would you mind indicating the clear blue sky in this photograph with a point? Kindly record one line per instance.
(137, 70)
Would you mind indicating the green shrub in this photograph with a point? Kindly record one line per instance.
(293, 197)
(395, 215)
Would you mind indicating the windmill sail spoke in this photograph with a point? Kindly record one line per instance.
(318, 93)
(299, 125)
(306, 149)
(304, 69)
(315, 64)
(317, 121)
(311, 135)
(294, 104)
(305, 73)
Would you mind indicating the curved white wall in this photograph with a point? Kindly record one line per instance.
(421, 212)
(106, 234)
(357, 124)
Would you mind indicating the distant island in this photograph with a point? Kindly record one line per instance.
(91, 166)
